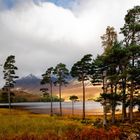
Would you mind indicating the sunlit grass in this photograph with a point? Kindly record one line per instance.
(19, 122)
(23, 125)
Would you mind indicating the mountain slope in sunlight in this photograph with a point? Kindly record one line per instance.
(31, 84)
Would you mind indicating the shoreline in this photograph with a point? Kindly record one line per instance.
(65, 111)
(92, 108)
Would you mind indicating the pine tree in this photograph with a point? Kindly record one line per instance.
(81, 70)
(131, 32)
(47, 79)
(61, 74)
(9, 75)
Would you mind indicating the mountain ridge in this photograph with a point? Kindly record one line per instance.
(31, 84)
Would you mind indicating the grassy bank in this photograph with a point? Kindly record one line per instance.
(22, 125)
(20, 122)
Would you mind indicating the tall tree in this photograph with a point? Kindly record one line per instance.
(109, 38)
(133, 76)
(109, 68)
(108, 41)
(9, 75)
(61, 73)
(81, 70)
(116, 60)
(123, 65)
(131, 32)
(98, 75)
(131, 28)
(47, 79)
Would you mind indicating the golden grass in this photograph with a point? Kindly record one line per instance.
(22, 125)
(16, 122)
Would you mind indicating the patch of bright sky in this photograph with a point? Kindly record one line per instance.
(63, 3)
(8, 3)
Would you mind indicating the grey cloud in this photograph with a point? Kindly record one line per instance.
(44, 35)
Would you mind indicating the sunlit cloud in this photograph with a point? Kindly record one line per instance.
(45, 33)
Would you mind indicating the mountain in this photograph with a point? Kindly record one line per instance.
(29, 83)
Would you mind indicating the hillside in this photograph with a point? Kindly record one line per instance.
(91, 92)
(31, 84)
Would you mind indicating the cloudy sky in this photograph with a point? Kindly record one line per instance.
(43, 33)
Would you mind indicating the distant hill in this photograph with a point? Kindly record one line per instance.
(31, 84)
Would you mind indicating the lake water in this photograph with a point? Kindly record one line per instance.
(44, 107)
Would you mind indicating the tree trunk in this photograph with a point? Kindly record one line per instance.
(113, 114)
(51, 100)
(124, 99)
(105, 114)
(104, 104)
(83, 99)
(114, 103)
(72, 107)
(123, 111)
(9, 98)
(111, 88)
(131, 96)
(60, 100)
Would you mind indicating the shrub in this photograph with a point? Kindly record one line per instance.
(72, 132)
(48, 99)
